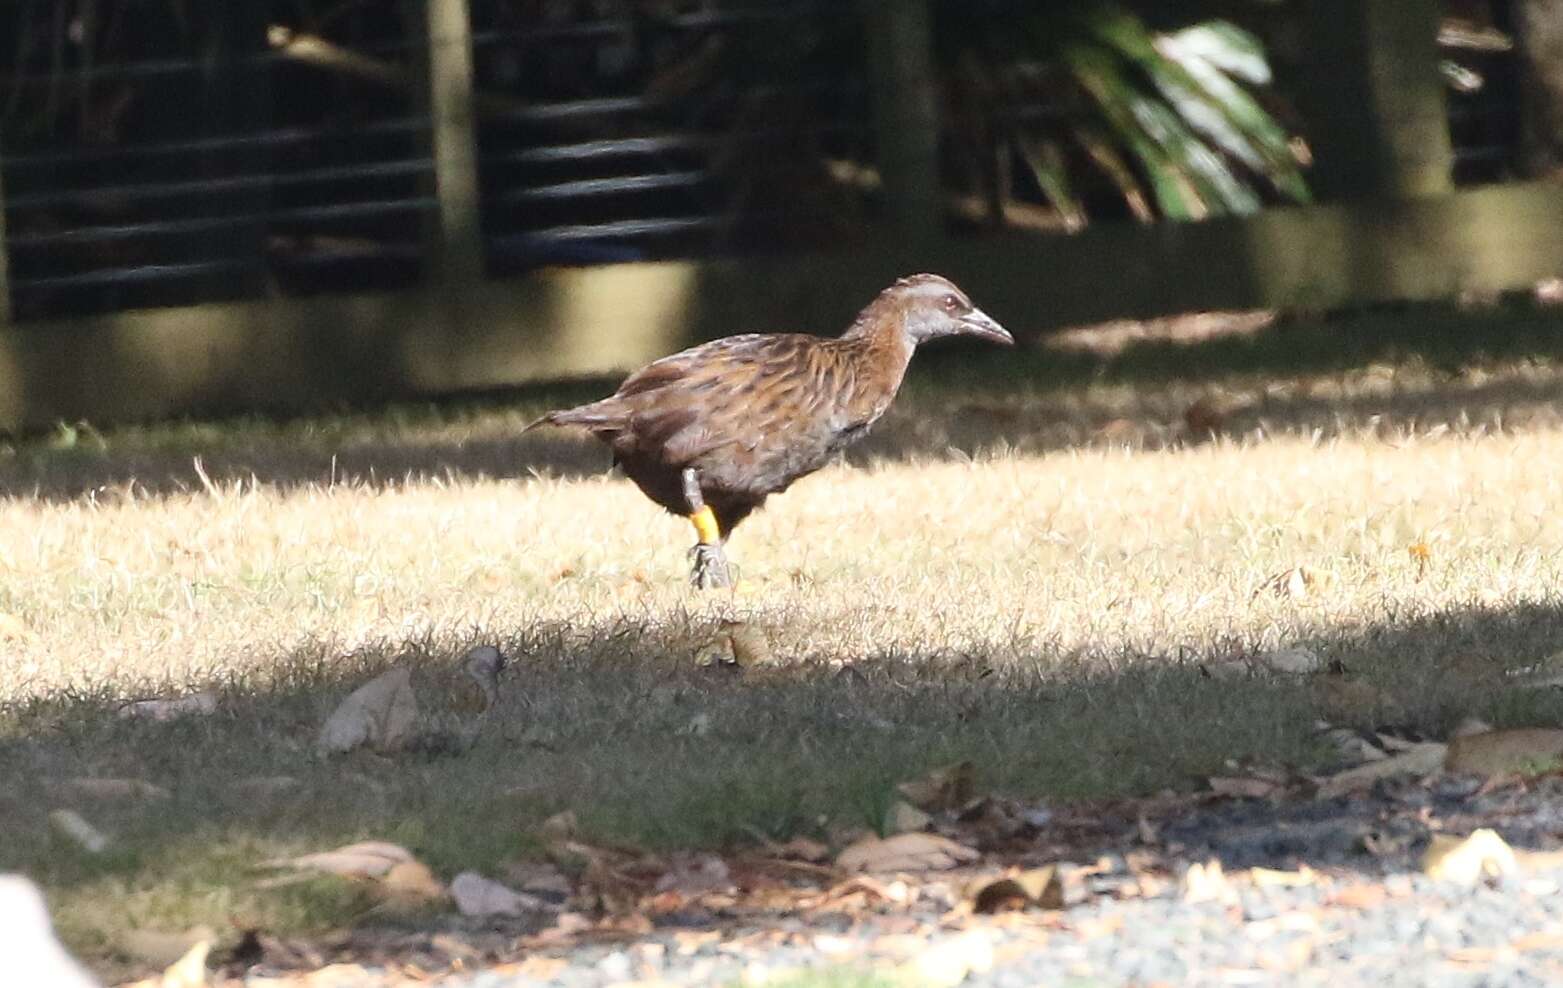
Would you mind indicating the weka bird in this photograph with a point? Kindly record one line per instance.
(711, 432)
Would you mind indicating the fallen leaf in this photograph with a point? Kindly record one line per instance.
(1539, 860)
(1352, 747)
(1245, 788)
(694, 874)
(411, 881)
(942, 789)
(1470, 726)
(452, 704)
(1295, 661)
(366, 859)
(799, 849)
(1205, 883)
(905, 852)
(188, 971)
(1523, 752)
(717, 654)
(559, 827)
(1040, 887)
(1359, 896)
(163, 948)
(380, 714)
(1394, 743)
(1271, 878)
(840, 833)
(109, 789)
(750, 647)
(70, 824)
(1422, 554)
(541, 879)
(477, 896)
(988, 819)
(1465, 861)
(903, 818)
(1421, 759)
(950, 962)
(1352, 700)
(161, 710)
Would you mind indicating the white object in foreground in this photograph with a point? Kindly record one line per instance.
(32, 955)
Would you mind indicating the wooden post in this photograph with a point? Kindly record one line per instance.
(458, 256)
(906, 111)
(1374, 99)
(1539, 25)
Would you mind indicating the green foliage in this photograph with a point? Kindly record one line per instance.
(1166, 119)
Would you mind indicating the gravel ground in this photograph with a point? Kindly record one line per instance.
(1420, 935)
(1417, 933)
(1313, 892)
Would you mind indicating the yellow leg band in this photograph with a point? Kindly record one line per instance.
(705, 526)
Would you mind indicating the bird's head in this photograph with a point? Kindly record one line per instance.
(930, 307)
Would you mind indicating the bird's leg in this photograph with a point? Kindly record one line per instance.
(711, 570)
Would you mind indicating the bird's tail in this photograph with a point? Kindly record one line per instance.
(597, 415)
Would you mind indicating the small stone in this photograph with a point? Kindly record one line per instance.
(616, 966)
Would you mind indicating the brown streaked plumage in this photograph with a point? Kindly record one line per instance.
(724, 425)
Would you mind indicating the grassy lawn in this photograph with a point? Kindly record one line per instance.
(1026, 566)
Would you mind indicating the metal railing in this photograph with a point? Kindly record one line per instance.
(305, 196)
(599, 139)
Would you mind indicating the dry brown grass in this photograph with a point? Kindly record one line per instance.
(1080, 558)
(1041, 605)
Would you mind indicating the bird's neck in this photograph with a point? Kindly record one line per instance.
(880, 328)
(881, 351)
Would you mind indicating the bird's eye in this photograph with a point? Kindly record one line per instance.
(952, 303)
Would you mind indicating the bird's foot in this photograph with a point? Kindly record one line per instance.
(711, 569)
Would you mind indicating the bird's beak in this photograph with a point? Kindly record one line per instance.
(979, 324)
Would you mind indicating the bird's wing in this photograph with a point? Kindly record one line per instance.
(721, 393)
(693, 402)
(703, 363)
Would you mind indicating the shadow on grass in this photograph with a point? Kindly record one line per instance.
(616, 722)
(957, 402)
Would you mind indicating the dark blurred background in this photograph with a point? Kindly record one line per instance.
(165, 153)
